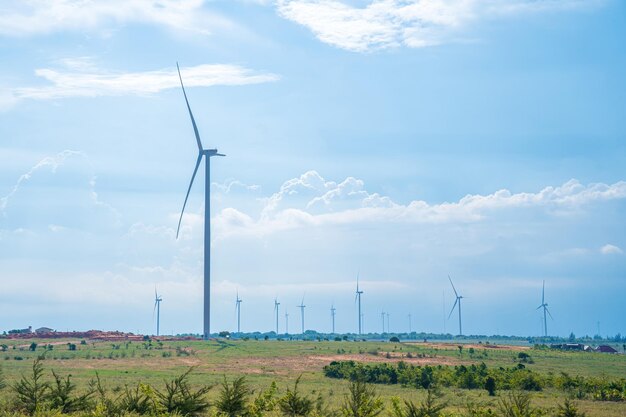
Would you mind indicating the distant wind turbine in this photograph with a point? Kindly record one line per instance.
(238, 306)
(457, 301)
(332, 315)
(382, 317)
(301, 306)
(286, 323)
(544, 305)
(276, 304)
(208, 153)
(358, 299)
(410, 331)
(157, 307)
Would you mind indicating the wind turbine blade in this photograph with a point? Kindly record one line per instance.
(195, 170)
(451, 311)
(193, 121)
(548, 311)
(455, 293)
(539, 307)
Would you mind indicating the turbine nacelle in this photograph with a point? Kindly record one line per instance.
(210, 152)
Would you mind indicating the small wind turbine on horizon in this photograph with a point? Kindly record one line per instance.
(544, 305)
(357, 298)
(457, 301)
(157, 308)
(332, 315)
(382, 317)
(301, 307)
(238, 307)
(286, 322)
(410, 331)
(276, 304)
(208, 153)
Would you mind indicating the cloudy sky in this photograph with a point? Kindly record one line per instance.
(402, 140)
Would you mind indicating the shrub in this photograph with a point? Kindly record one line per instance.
(568, 409)
(516, 404)
(361, 401)
(430, 407)
(490, 386)
(61, 396)
(177, 397)
(293, 403)
(233, 398)
(31, 390)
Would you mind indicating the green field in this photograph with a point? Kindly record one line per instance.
(262, 362)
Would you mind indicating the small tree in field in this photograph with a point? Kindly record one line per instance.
(31, 390)
(490, 386)
(293, 404)
(569, 409)
(233, 398)
(361, 401)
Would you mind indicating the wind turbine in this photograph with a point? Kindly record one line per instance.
(388, 328)
(286, 323)
(332, 315)
(276, 304)
(544, 305)
(157, 307)
(410, 323)
(382, 317)
(238, 306)
(208, 153)
(301, 306)
(358, 298)
(457, 301)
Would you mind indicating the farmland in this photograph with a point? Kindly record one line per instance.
(262, 362)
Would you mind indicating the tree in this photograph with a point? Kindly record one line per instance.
(569, 409)
(294, 404)
(361, 401)
(62, 397)
(490, 386)
(430, 407)
(516, 404)
(31, 390)
(233, 398)
(177, 397)
(32, 347)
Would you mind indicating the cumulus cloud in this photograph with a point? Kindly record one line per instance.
(79, 78)
(41, 16)
(311, 200)
(411, 23)
(609, 249)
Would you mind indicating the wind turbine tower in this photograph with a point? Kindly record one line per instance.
(457, 301)
(410, 331)
(382, 317)
(276, 304)
(238, 305)
(544, 305)
(358, 299)
(157, 307)
(286, 323)
(208, 153)
(301, 307)
(332, 315)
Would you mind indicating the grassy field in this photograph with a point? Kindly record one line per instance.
(262, 362)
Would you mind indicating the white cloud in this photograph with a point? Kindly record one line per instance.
(24, 18)
(81, 79)
(412, 23)
(609, 249)
(298, 201)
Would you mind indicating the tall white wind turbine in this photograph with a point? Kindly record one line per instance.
(544, 305)
(457, 301)
(332, 315)
(301, 307)
(238, 306)
(157, 308)
(357, 298)
(276, 304)
(208, 153)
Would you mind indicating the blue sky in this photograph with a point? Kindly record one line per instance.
(407, 140)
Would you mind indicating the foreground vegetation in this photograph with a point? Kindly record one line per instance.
(112, 376)
(35, 395)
